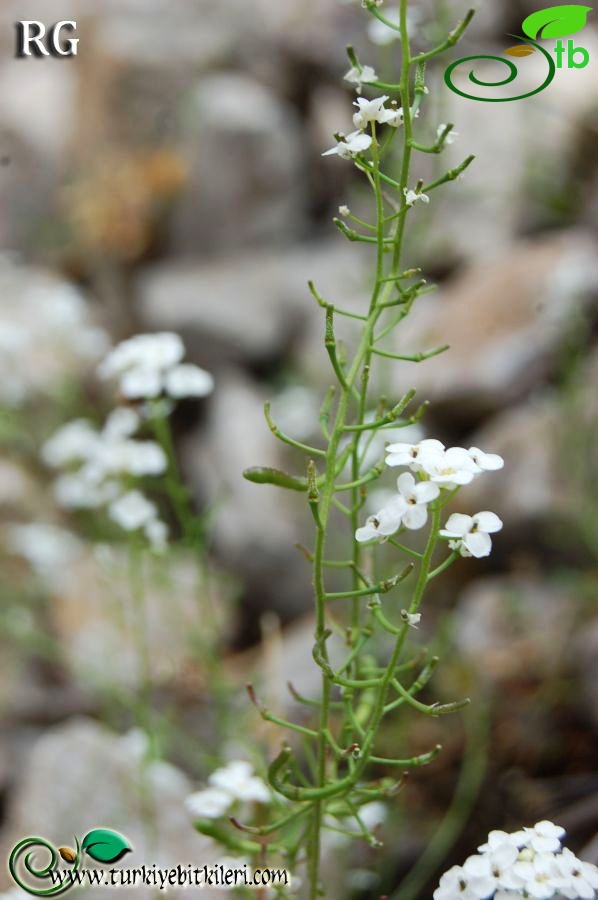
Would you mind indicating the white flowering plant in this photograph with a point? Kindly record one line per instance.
(330, 772)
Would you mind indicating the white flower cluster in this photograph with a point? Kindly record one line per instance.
(99, 463)
(369, 112)
(149, 365)
(46, 333)
(235, 782)
(437, 468)
(529, 863)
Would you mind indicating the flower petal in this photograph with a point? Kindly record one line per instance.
(478, 543)
(488, 522)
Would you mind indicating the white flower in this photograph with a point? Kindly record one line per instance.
(451, 136)
(75, 441)
(454, 885)
(47, 548)
(141, 383)
(509, 866)
(471, 534)
(402, 454)
(393, 116)
(369, 111)
(132, 511)
(416, 496)
(238, 780)
(581, 878)
(121, 423)
(188, 380)
(211, 803)
(545, 837)
(344, 211)
(449, 468)
(157, 352)
(412, 619)
(373, 814)
(77, 492)
(383, 523)
(351, 145)
(360, 76)
(486, 462)
(413, 196)
(493, 871)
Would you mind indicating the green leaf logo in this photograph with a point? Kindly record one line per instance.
(557, 21)
(105, 846)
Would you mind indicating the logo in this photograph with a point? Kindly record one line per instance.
(555, 22)
(102, 845)
(31, 35)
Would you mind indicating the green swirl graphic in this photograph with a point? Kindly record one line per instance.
(511, 77)
(28, 846)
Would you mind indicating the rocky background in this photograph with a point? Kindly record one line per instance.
(172, 174)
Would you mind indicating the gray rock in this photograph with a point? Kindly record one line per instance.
(504, 322)
(255, 526)
(244, 154)
(179, 616)
(507, 627)
(255, 307)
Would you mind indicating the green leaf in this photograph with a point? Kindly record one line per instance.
(105, 846)
(557, 21)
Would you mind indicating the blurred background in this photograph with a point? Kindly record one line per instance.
(170, 178)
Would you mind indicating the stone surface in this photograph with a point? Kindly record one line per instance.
(257, 310)
(255, 526)
(512, 627)
(504, 321)
(100, 635)
(244, 157)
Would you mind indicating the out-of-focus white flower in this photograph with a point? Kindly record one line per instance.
(470, 535)
(142, 383)
(149, 365)
(74, 491)
(344, 211)
(351, 146)
(188, 380)
(211, 803)
(373, 814)
(369, 111)
(47, 548)
(132, 511)
(412, 619)
(239, 780)
(416, 496)
(361, 76)
(412, 197)
(121, 423)
(159, 352)
(75, 441)
(46, 333)
(451, 136)
(235, 782)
